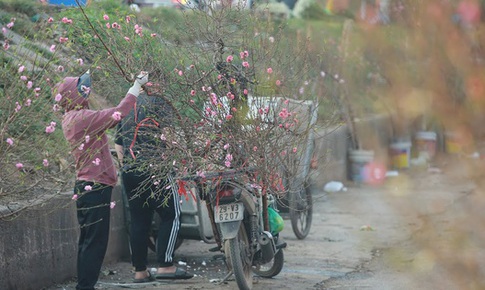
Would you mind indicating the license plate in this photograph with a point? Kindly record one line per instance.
(229, 212)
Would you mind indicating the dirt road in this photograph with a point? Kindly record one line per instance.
(362, 238)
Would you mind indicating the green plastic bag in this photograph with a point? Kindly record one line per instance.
(276, 222)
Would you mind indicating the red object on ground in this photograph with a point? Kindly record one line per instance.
(374, 173)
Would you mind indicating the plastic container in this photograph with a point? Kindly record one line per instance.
(358, 160)
(426, 143)
(453, 143)
(400, 154)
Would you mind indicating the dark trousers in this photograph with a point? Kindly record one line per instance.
(93, 214)
(145, 198)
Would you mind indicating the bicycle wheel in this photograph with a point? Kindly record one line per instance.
(301, 211)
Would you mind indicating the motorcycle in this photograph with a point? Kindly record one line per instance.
(238, 212)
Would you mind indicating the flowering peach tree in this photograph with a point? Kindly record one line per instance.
(243, 92)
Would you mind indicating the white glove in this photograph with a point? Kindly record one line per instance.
(141, 79)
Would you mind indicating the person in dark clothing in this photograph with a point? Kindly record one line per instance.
(136, 137)
(85, 130)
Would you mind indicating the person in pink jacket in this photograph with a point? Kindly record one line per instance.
(96, 174)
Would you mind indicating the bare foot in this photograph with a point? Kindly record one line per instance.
(162, 270)
(141, 274)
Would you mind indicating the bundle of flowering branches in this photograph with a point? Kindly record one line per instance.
(243, 94)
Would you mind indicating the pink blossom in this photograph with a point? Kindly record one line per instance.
(245, 64)
(128, 19)
(21, 68)
(45, 162)
(96, 161)
(108, 25)
(229, 117)
(58, 98)
(29, 85)
(241, 55)
(234, 109)
(37, 90)
(50, 20)
(87, 138)
(105, 17)
(116, 116)
(294, 149)
(246, 53)
(23, 78)
(4, 30)
(192, 92)
(112, 204)
(17, 107)
(219, 77)
(278, 82)
(255, 148)
(60, 68)
(153, 34)
(138, 29)
(50, 129)
(6, 46)
(28, 102)
(53, 124)
(115, 25)
(56, 108)
(269, 70)
(52, 48)
(284, 113)
(85, 89)
(229, 157)
(149, 84)
(245, 91)
(229, 58)
(127, 38)
(10, 141)
(80, 61)
(88, 188)
(19, 165)
(81, 147)
(226, 146)
(63, 39)
(227, 163)
(66, 20)
(181, 73)
(75, 196)
(10, 25)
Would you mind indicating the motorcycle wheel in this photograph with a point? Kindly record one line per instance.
(241, 259)
(301, 211)
(272, 268)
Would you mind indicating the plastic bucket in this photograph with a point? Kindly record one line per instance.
(358, 160)
(453, 143)
(426, 143)
(400, 154)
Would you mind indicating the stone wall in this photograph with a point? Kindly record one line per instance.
(39, 246)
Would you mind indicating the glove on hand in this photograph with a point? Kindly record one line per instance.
(141, 79)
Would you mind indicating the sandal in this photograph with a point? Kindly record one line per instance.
(178, 274)
(148, 278)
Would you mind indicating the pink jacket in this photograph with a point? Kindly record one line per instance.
(85, 130)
